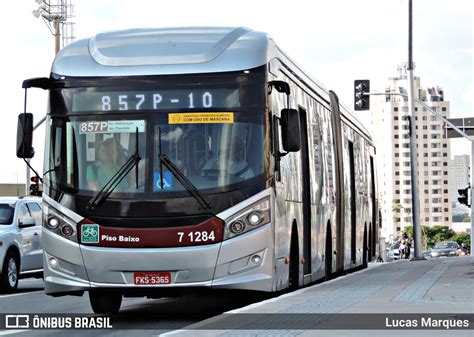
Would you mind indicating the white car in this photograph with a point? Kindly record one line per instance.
(21, 252)
(394, 252)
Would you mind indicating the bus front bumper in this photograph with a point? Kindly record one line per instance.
(243, 262)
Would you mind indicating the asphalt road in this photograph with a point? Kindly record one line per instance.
(150, 316)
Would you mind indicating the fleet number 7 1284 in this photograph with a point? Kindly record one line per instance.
(197, 236)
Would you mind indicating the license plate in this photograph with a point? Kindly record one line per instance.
(151, 278)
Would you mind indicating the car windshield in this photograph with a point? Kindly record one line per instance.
(443, 245)
(6, 213)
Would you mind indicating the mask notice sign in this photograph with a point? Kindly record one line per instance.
(201, 118)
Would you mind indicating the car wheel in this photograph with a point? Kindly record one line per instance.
(104, 302)
(10, 272)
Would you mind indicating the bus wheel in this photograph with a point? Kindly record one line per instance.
(365, 248)
(294, 261)
(328, 254)
(105, 303)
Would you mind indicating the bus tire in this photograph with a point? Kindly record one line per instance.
(294, 272)
(328, 254)
(104, 302)
(365, 248)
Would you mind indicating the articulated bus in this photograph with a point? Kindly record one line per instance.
(183, 159)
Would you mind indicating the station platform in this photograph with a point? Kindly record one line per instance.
(432, 297)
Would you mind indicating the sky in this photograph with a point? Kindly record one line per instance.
(335, 41)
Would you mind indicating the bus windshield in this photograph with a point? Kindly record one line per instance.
(211, 134)
(210, 155)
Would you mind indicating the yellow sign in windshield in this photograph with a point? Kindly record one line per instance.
(201, 118)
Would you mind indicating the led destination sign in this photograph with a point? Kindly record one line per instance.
(87, 100)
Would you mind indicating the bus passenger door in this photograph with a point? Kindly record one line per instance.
(282, 191)
(353, 201)
(306, 195)
(337, 138)
(373, 228)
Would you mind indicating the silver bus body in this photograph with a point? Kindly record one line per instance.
(330, 243)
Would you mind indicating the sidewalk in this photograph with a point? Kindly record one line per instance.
(428, 287)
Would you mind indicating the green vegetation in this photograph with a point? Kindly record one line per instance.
(396, 208)
(431, 235)
(463, 238)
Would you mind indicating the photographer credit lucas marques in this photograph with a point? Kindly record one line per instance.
(427, 322)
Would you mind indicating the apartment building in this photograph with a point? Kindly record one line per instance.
(433, 153)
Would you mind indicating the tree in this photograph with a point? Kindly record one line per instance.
(463, 238)
(424, 235)
(438, 234)
(396, 208)
(409, 231)
(431, 235)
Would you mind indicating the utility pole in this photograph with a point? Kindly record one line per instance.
(472, 196)
(57, 34)
(55, 13)
(413, 152)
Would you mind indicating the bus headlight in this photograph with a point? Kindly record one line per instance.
(58, 223)
(52, 222)
(248, 219)
(67, 230)
(53, 262)
(237, 227)
(255, 218)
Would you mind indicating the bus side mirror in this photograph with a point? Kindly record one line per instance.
(24, 136)
(291, 130)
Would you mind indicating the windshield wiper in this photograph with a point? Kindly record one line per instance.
(187, 184)
(117, 178)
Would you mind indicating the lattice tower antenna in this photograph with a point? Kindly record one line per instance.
(57, 15)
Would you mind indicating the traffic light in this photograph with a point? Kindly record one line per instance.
(361, 99)
(34, 186)
(464, 196)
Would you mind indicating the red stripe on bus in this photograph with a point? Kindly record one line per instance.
(207, 232)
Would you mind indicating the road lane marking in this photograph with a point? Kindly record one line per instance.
(25, 293)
